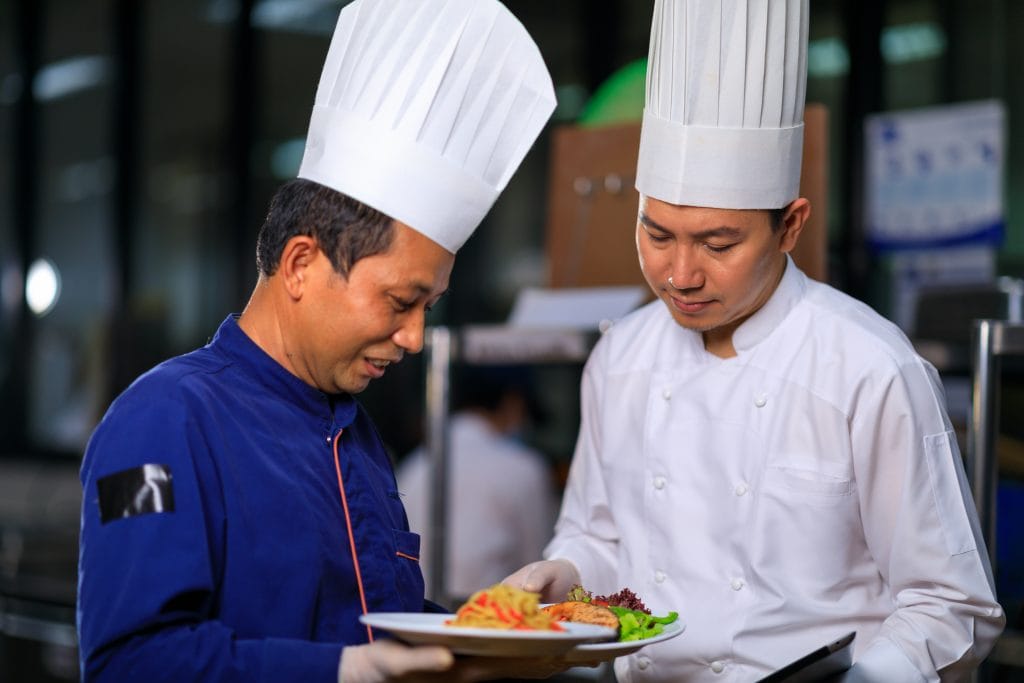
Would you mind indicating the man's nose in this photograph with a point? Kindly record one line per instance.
(686, 272)
(409, 337)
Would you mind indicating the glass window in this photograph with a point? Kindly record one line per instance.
(182, 263)
(69, 283)
(828, 66)
(10, 267)
(290, 52)
(914, 45)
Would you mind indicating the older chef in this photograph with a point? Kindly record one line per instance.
(240, 512)
(759, 451)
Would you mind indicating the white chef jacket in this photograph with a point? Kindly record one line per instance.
(808, 487)
(502, 504)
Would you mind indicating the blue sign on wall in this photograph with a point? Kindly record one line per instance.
(934, 177)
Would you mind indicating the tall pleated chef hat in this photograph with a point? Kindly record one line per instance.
(425, 109)
(723, 116)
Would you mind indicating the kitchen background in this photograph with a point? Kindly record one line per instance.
(140, 141)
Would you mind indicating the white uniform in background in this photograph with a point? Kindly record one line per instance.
(502, 504)
(808, 487)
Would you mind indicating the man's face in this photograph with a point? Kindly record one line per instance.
(724, 263)
(351, 330)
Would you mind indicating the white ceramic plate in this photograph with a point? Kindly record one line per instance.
(591, 651)
(430, 629)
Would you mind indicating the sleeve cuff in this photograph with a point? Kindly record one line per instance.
(884, 662)
(298, 660)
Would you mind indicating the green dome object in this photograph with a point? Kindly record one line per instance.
(620, 99)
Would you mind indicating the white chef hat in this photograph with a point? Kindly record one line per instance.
(723, 118)
(425, 109)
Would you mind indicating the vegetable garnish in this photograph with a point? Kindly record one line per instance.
(635, 621)
(637, 625)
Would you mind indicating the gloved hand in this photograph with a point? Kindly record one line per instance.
(386, 660)
(551, 578)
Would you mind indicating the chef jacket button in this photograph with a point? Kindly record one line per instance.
(659, 483)
(666, 394)
(642, 663)
(736, 584)
(761, 401)
(717, 666)
(659, 577)
(741, 488)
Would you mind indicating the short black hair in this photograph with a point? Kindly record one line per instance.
(345, 229)
(776, 218)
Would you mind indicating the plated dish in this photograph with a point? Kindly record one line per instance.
(431, 629)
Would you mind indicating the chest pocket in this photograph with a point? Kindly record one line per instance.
(408, 576)
(810, 481)
(808, 521)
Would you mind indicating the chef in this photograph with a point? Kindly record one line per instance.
(239, 511)
(758, 451)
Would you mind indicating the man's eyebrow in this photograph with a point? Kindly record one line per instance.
(420, 289)
(651, 223)
(419, 286)
(720, 231)
(423, 290)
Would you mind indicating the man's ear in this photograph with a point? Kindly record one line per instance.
(794, 218)
(296, 257)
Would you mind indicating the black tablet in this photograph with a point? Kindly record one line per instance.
(820, 665)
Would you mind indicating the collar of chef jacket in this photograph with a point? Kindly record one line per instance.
(235, 343)
(767, 318)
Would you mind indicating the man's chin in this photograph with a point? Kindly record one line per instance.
(699, 329)
(354, 386)
(692, 323)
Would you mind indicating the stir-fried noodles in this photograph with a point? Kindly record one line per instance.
(504, 607)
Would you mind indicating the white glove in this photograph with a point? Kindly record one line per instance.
(551, 578)
(386, 660)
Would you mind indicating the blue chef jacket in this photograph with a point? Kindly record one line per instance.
(234, 562)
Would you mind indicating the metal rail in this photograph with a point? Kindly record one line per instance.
(439, 359)
(991, 340)
(476, 345)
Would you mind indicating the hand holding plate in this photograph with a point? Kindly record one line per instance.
(552, 579)
(385, 661)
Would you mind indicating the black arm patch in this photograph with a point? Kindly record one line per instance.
(138, 491)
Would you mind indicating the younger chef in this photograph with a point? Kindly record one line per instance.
(758, 451)
(239, 511)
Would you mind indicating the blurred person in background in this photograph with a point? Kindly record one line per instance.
(239, 512)
(758, 451)
(501, 498)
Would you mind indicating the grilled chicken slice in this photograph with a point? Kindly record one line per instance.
(583, 612)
